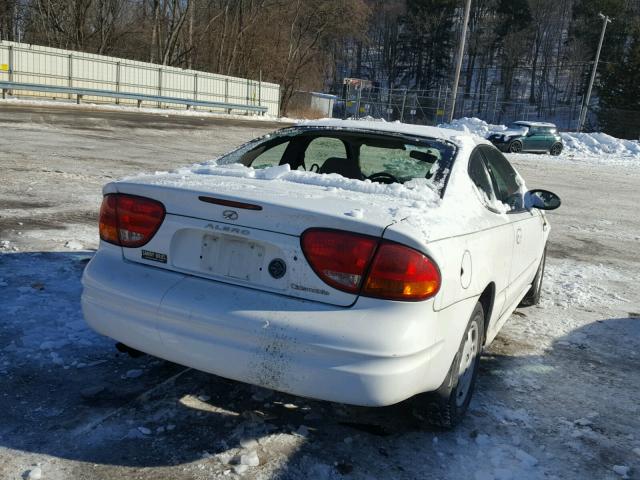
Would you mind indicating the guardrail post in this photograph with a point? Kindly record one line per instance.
(226, 93)
(70, 72)
(10, 69)
(195, 88)
(248, 97)
(160, 85)
(117, 81)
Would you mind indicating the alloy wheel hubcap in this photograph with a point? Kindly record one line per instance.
(467, 364)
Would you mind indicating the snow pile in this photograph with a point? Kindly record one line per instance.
(599, 143)
(474, 126)
(575, 144)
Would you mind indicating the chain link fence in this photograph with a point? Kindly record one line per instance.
(432, 107)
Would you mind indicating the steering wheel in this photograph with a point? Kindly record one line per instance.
(383, 177)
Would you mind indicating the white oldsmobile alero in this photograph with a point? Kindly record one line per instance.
(350, 261)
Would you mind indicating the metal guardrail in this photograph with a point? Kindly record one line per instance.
(140, 97)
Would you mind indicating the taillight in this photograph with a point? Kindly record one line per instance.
(129, 220)
(372, 267)
(339, 258)
(401, 273)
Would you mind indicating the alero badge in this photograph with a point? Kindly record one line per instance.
(230, 215)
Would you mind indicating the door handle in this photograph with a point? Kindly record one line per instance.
(518, 235)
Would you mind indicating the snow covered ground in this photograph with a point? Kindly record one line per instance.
(558, 391)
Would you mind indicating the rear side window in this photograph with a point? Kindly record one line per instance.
(481, 179)
(506, 182)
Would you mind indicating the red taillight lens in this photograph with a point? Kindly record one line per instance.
(339, 258)
(108, 222)
(395, 272)
(128, 220)
(401, 273)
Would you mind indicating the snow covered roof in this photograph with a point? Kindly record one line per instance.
(455, 136)
(535, 124)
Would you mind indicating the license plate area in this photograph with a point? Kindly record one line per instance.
(231, 257)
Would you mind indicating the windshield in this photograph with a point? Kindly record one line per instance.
(356, 154)
(517, 126)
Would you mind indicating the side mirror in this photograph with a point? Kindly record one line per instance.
(541, 199)
(530, 133)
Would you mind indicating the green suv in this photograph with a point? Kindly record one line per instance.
(528, 137)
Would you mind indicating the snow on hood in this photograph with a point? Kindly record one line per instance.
(511, 132)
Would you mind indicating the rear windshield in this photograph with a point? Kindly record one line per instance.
(360, 155)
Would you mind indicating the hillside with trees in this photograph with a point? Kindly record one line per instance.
(532, 56)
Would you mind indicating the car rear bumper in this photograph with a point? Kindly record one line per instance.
(375, 353)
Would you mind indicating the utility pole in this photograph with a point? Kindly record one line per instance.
(585, 106)
(456, 78)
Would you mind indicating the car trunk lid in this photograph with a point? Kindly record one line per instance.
(246, 232)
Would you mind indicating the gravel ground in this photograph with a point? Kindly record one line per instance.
(558, 393)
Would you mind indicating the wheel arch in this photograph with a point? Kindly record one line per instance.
(487, 299)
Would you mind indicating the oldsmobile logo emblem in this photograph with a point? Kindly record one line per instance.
(277, 268)
(230, 215)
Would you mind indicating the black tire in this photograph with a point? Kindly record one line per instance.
(556, 149)
(446, 407)
(515, 146)
(533, 295)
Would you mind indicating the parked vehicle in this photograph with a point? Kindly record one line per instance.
(355, 262)
(528, 137)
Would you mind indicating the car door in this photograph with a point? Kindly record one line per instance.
(549, 138)
(528, 237)
(534, 140)
(491, 249)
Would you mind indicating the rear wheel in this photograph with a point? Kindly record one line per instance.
(446, 406)
(556, 149)
(515, 147)
(533, 295)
